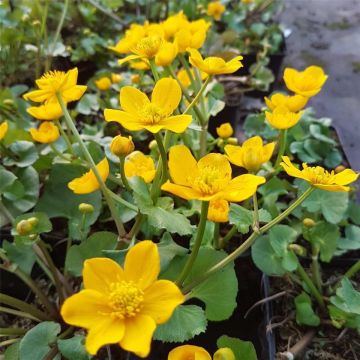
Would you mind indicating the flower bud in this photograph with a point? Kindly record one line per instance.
(86, 208)
(8, 102)
(308, 222)
(339, 168)
(36, 23)
(116, 78)
(220, 142)
(135, 79)
(103, 83)
(122, 146)
(297, 249)
(33, 221)
(224, 354)
(225, 130)
(153, 145)
(24, 227)
(232, 141)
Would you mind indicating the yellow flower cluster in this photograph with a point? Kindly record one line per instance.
(187, 352)
(286, 109)
(104, 83)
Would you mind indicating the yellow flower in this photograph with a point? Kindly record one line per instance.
(121, 145)
(214, 65)
(184, 79)
(116, 78)
(215, 9)
(306, 83)
(123, 305)
(282, 118)
(173, 24)
(88, 183)
(224, 354)
(218, 211)
(57, 81)
(251, 155)
(319, 177)
(46, 133)
(103, 83)
(293, 103)
(140, 113)
(166, 54)
(186, 39)
(225, 130)
(135, 79)
(208, 179)
(189, 352)
(48, 111)
(138, 164)
(3, 129)
(140, 65)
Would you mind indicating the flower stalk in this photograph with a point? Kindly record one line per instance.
(282, 147)
(122, 173)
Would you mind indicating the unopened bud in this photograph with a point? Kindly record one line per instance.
(86, 208)
(297, 249)
(24, 227)
(33, 221)
(225, 130)
(339, 169)
(122, 146)
(224, 354)
(8, 102)
(308, 222)
(86, 31)
(232, 141)
(25, 17)
(220, 142)
(135, 79)
(153, 145)
(36, 23)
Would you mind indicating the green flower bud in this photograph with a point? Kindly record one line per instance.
(86, 208)
(232, 141)
(224, 354)
(297, 249)
(33, 221)
(308, 222)
(153, 145)
(24, 227)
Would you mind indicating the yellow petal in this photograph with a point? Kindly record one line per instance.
(48, 111)
(3, 129)
(219, 164)
(332, 188)
(74, 93)
(291, 169)
(253, 142)
(177, 123)
(108, 331)
(161, 299)
(268, 150)
(99, 273)
(142, 264)
(218, 211)
(234, 154)
(128, 58)
(182, 165)
(85, 309)
(72, 76)
(36, 95)
(182, 191)
(138, 334)
(242, 187)
(345, 177)
(133, 100)
(185, 352)
(127, 120)
(166, 95)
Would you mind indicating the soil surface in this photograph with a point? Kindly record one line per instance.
(327, 33)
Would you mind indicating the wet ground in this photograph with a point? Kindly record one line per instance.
(327, 33)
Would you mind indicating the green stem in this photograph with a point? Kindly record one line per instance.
(154, 70)
(12, 331)
(245, 245)
(18, 313)
(195, 250)
(6, 212)
(282, 146)
(122, 173)
(159, 141)
(197, 97)
(89, 159)
(186, 66)
(305, 277)
(120, 200)
(216, 238)
(203, 139)
(256, 224)
(353, 270)
(136, 227)
(23, 307)
(8, 342)
(58, 153)
(315, 268)
(64, 135)
(228, 235)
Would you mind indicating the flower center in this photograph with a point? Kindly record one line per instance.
(152, 114)
(210, 180)
(148, 46)
(54, 78)
(318, 175)
(125, 298)
(252, 158)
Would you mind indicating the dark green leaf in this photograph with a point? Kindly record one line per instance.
(305, 314)
(73, 348)
(241, 349)
(20, 254)
(25, 152)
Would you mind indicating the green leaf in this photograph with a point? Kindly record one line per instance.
(36, 342)
(343, 319)
(351, 241)
(28, 180)
(265, 258)
(186, 322)
(20, 254)
(73, 348)
(325, 236)
(12, 352)
(241, 349)
(90, 248)
(218, 292)
(281, 236)
(88, 104)
(58, 200)
(305, 314)
(168, 249)
(354, 212)
(7, 179)
(347, 298)
(25, 152)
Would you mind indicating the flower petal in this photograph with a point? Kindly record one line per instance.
(37, 95)
(142, 264)
(332, 188)
(184, 352)
(234, 154)
(138, 334)
(74, 93)
(182, 165)
(182, 191)
(108, 331)
(177, 123)
(345, 177)
(85, 309)
(291, 169)
(127, 120)
(99, 273)
(166, 95)
(161, 299)
(268, 150)
(133, 100)
(242, 187)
